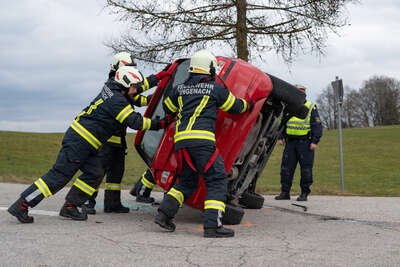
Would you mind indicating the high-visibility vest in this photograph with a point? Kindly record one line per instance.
(300, 127)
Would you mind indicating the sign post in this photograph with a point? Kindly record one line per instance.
(337, 86)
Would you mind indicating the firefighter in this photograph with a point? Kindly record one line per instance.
(196, 102)
(91, 128)
(301, 137)
(113, 152)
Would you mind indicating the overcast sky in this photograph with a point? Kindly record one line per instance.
(53, 61)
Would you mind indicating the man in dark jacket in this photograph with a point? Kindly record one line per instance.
(301, 137)
(113, 152)
(196, 102)
(91, 128)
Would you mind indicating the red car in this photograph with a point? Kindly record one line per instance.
(245, 141)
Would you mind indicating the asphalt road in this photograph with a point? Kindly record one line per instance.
(334, 231)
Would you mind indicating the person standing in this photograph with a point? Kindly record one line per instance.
(113, 152)
(92, 127)
(196, 102)
(301, 138)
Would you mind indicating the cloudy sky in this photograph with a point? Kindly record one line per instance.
(53, 61)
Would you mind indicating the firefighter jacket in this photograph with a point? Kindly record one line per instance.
(107, 114)
(118, 138)
(196, 102)
(308, 128)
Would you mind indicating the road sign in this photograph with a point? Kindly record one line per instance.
(337, 86)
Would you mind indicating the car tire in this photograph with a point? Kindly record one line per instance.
(251, 200)
(233, 215)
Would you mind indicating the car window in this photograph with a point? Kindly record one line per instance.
(151, 139)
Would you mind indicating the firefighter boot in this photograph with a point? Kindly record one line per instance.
(166, 213)
(142, 193)
(112, 202)
(20, 210)
(164, 221)
(70, 210)
(218, 232)
(283, 196)
(302, 197)
(90, 204)
(135, 188)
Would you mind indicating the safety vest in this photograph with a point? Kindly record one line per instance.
(300, 127)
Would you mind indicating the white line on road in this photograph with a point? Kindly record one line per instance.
(36, 212)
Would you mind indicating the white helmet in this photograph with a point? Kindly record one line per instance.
(128, 76)
(301, 87)
(203, 62)
(122, 59)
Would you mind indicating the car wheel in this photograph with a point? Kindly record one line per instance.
(251, 200)
(233, 215)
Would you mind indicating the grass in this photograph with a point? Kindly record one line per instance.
(371, 161)
(371, 164)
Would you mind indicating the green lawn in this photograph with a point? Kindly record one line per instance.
(371, 161)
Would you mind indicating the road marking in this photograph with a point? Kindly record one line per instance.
(36, 212)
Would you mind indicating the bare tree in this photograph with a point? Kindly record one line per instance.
(161, 30)
(381, 97)
(375, 103)
(354, 110)
(326, 108)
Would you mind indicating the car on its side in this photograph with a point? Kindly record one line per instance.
(245, 141)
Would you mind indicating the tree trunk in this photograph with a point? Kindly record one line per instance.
(241, 30)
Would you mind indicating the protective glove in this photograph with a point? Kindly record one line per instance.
(250, 105)
(161, 123)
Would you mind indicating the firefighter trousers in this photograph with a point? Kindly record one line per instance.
(75, 154)
(215, 178)
(297, 151)
(113, 161)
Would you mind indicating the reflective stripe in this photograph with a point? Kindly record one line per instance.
(244, 106)
(197, 111)
(177, 195)
(178, 122)
(214, 204)
(112, 186)
(300, 127)
(143, 101)
(147, 183)
(42, 186)
(228, 103)
(82, 131)
(146, 85)
(33, 195)
(194, 134)
(124, 113)
(84, 187)
(115, 139)
(146, 123)
(170, 105)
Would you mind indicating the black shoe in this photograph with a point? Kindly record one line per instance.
(20, 210)
(135, 189)
(219, 232)
(163, 221)
(116, 209)
(69, 210)
(144, 199)
(283, 196)
(89, 208)
(302, 197)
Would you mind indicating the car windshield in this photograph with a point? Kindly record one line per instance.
(151, 139)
